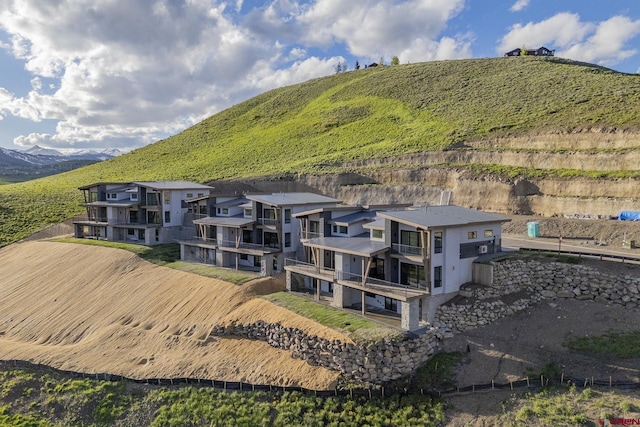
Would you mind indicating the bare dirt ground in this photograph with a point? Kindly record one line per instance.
(95, 309)
(521, 345)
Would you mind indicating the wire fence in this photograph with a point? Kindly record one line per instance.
(370, 393)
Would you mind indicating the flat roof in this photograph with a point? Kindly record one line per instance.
(160, 185)
(442, 216)
(327, 209)
(172, 185)
(353, 218)
(361, 246)
(292, 199)
(116, 204)
(377, 223)
(225, 221)
(231, 203)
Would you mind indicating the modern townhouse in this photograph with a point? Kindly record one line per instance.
(402, 263)
(253, 232)
(148, 213)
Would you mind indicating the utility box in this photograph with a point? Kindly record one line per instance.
(533, 229)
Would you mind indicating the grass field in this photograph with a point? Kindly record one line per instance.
(362, 114)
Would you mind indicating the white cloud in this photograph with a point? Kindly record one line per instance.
(602, 42)
(519, 5)
(369, 28)
(133, 72)
(563, 29)
(607, 45)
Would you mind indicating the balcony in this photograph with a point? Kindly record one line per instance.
(232, 244)
(308, 269)
(381, 287)
(408, 250)
(306, 235)
(84, 219)
(204, 241)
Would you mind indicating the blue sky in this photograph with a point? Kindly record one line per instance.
(96, 74)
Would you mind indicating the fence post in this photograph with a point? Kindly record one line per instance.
(493, 386)
(511, 384)
(541, 380)
(527, 382)
(562, 378)
(610, 382)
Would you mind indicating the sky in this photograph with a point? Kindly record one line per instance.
(98, 74)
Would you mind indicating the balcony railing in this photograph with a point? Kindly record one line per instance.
(407, 249)
(380, 285)
(243, 245)
(85, 218)
(268, 221)
(310, 235)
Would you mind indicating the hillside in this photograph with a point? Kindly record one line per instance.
(114, 312)
(519, 135)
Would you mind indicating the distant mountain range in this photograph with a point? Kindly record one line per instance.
(38, 156)
(37, 162)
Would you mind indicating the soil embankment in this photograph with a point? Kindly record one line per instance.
(95, 309)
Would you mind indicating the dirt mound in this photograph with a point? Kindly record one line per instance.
(97, 309)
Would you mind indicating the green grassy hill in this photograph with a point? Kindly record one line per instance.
(315, 127)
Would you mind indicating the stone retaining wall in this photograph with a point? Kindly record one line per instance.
(522, 283)
(375, 363)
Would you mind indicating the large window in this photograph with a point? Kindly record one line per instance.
(314, 227)
(271, 240)
(377, 269)
(167, 217)
(410, 238)
(412, 275)
(437, 242)
(153, 218)
(376, 234)
(329, 259)
(269, 214)
(287, 240)
(287, 216)
(152, 199)
(247, 236)
(437, 277)
(391, 304)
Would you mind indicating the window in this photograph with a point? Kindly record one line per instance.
(329, 259)
(248, 213)
(93, 196)
(247, 236)
(412, 275)
(134, 196)
(377, 269)
(472, 235)
(287, 216)
(271, 240)
(244, 257)
(437, 242)
(152, 199)
(376, 234)
(340, 229)
(153, 217)
(390, 304)
(410, 238)
(437, 277)
(223, 211)
(112, 196)
(287, 240)
(488, 233)
(269, 214)
(314, 227)
(200, 194)
(189, 195)
(133, 217)
(167, 197)
(167, 216)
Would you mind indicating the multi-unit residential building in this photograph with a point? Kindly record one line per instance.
(137, 212)
(401, 262)
(251, 232)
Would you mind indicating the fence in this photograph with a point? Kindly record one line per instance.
(596, 255)
(373, 392)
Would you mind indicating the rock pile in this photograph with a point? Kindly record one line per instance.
(375, 363)
(518, 283)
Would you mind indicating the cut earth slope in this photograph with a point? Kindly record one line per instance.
(95, 309)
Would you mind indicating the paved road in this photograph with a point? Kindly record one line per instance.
(515, 242)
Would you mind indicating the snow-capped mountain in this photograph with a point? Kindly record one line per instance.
(38, 156)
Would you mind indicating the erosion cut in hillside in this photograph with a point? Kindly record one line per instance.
(94, 309)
